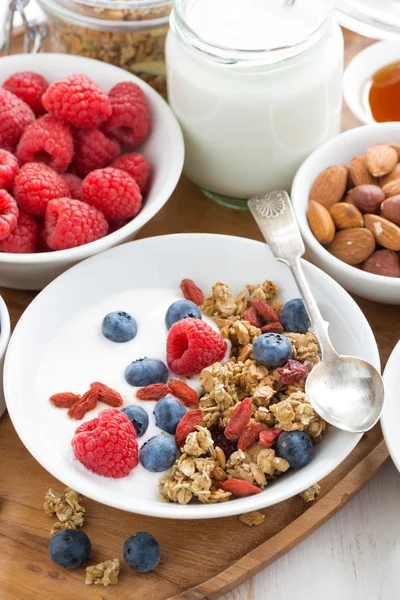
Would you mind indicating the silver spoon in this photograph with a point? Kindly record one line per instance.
(345, 391)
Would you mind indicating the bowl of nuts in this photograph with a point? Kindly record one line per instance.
(346, 196)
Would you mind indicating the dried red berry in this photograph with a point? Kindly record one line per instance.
(252, 316)
(155, 391)
(239, 419)
(274, 327)
(107, 394)
(183, 392)
(293, 371)
(269, 436)
(187, 424)
(249, 436)
(191, 291)
(265, 310)
(83, 405)
(239, 488)
(228, 447)
(64, 399)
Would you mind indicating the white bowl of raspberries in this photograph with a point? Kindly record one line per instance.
(88, 154)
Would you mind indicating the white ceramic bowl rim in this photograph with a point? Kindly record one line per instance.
(146, 213)
(389, 418)
(298, 185)
(160, 509)
(5, 330)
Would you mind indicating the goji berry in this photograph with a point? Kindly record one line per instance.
(265, 310)
(154, 391)
(274, 327)
(84, 404)
(183, 392)
(238, 487)
(293, 371)
(64, 399)
(252, 316)
(249, 436)
(191, 291)
(107, 394)
(269, 436)
(187, 424)
(239, 419)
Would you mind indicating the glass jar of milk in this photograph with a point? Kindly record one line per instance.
(256, 86)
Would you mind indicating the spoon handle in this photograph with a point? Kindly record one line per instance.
(275, 218)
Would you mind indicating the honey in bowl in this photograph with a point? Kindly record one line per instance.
(384, 95)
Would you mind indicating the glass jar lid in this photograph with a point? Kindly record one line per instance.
(251, 30)
(378, 19)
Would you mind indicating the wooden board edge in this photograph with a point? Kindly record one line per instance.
(293, 534)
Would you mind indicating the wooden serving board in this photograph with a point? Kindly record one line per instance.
(200, 559)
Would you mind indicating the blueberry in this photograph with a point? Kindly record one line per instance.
(119, 326)
(158, 453)
(272, 350)
(69, 548)
(296, 447)
(294, 316)
(181, 309)
(141, 552)
(145, 371)
(168, 412)
(138, 417)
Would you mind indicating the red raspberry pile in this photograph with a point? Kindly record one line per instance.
(64, 178)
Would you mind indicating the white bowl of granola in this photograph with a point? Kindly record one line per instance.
(64, 324)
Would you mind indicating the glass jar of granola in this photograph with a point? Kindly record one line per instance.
(126, 33)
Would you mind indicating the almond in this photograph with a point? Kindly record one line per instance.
(392, 188)
(383, 262)
(329, 186)
(367, 198)
(346, 216)
(386, 233)
(394, 174)
(381, 159)
(321, 222)
(352, 246)
(359, 172)
(397, 148)
(390, 210)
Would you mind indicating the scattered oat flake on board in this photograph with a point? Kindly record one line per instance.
(239, 488)
(154, 391)
(66, 506)
(85, 404)
(105, 573)
(252, 518)
(239, 419)
(265, 310)
(187, 424)
(191, 291)
(249, 436)
(64, 399)
(107, 394)
(183, 392)
(311, 493)
(274, 327)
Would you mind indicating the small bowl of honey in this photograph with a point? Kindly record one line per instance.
(371, 84)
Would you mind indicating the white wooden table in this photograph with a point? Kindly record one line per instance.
(355, 556)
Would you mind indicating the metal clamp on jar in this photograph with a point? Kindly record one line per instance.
(34, 32)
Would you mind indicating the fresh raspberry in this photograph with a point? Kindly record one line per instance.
(93, 150)
(30, 88)
(49, 141)
(129, 122)
(192, 345)
(136, 166)
(107, 445)
(35, 185)
(15, 115)
(8, 214)
(114, 192)
(115, 225)
(77, 100)
(75, 185)
(70, 223)
(22, 239)
(41, 244)
(8, 169)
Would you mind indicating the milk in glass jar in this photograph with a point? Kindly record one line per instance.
(256, 86)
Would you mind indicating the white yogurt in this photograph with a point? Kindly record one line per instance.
(79, 354)
(250, 117)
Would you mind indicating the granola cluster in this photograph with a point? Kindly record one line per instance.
(66, 507)
(105, 573)
(203, 466)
